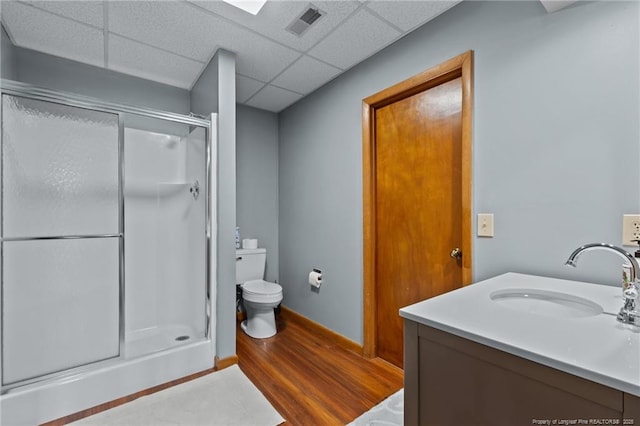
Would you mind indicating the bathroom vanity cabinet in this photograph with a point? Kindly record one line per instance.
(450, 380)
(474, 358)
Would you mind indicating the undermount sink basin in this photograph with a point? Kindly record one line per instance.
(545, 302)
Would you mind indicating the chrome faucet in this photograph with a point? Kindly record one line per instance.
(628, 313)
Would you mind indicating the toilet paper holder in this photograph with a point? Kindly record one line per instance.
(315, 277)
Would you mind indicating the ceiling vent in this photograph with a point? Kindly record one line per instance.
(307, 18)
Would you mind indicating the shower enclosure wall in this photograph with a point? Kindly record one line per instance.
(106, 280)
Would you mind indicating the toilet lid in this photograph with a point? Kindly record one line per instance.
(261, 287)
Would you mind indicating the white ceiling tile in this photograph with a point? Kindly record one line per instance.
(306, 75)
(275, 16)
(187, 30)
(407, 15)
(246, 87)
(169, 41)
(170, 25)
(273, 99)
(359, 37)
(146, 62)
(89, 12)
(555, 5)
(256, 56)
(38, 30)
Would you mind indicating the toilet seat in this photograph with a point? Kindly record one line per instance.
(260, 291)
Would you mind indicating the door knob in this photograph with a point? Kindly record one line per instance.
(456, 253)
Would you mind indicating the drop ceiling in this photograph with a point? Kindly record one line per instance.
(171, 42)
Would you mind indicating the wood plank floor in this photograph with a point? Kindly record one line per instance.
(308, 378)
(312, 381)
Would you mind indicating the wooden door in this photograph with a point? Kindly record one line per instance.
(420, 201)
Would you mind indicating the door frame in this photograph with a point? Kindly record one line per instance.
(459, 66)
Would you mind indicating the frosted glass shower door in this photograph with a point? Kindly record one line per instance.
(61, 237)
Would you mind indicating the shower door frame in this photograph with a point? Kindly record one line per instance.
(14, 88)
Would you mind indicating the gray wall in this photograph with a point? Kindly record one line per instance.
(257, 181)
(7, 59)
(58, 73)
(555, 148)
(204, 93)
(219, 94)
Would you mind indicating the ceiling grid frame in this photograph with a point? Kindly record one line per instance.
(105, 32)
(292, 70)
(359, 6)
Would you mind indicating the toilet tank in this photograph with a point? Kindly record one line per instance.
(250, 264)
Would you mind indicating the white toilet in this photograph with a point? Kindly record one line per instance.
(260, 297)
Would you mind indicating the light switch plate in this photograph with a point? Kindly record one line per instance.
(485, 224)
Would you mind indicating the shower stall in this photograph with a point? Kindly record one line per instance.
(107, 283)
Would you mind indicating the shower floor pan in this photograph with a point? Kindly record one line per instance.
(156, 339)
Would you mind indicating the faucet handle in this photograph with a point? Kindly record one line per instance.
(628, 313)
(632, 291)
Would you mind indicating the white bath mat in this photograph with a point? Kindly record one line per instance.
(225, 397)
(389, 412)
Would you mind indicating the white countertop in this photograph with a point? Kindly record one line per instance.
(597, 348)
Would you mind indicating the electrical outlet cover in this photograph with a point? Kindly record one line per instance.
(630, 229)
